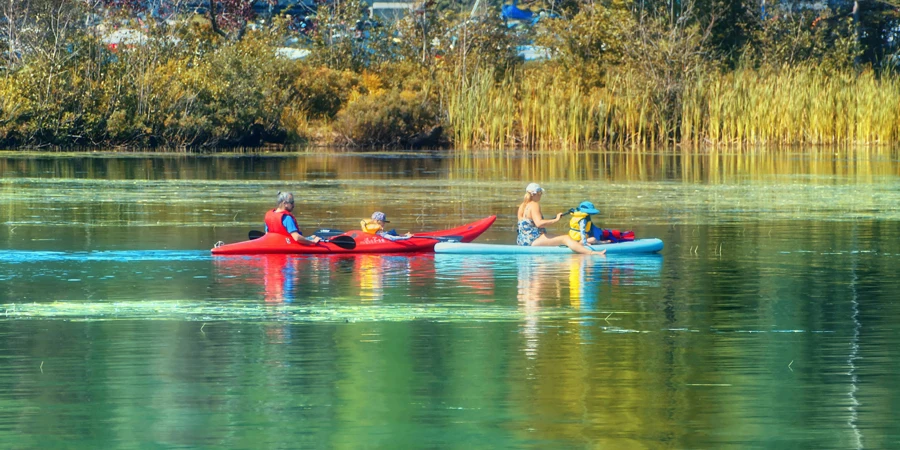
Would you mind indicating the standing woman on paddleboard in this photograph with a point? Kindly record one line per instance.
(281, 221)
(530, 225)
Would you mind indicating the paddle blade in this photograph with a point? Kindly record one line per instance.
(344, 242)
(255, 234)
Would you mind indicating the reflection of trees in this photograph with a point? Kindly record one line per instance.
(288, 167)
(771, 277)
(198, 191)
(336, 190)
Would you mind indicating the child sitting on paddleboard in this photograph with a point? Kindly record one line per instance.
(375, 226)
(581, 228)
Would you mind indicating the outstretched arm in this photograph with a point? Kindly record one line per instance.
(391, 237)
(538, 218)
(292, 228)
(312, 240)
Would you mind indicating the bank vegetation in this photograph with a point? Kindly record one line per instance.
(619, 74)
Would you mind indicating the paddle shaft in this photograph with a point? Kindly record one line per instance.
(322, 233)
(344, 242)
(440, 238)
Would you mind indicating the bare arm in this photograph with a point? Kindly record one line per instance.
(394, 238)
(312, 240)
(538, 218)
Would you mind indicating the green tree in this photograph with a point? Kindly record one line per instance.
(589, 41)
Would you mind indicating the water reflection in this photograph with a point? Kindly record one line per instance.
(315, 167)
(853, 408)
(553, 280)
(714, 167)
(770, 320)
(190, 203)
(370, 272)
(364, 278)
(326, 168)
(580, 283)
(277, 278)
(45, 276)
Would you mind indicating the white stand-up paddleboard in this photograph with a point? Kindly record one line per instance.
(637, 246)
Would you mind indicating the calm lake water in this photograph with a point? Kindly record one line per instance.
(770, 319)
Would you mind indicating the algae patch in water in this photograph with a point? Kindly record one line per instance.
(252, 312)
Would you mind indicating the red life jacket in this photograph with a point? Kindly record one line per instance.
(274, 222)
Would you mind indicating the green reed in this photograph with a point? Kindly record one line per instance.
(787, 106)
(796, 106)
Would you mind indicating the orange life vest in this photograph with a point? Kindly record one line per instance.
(370, 226)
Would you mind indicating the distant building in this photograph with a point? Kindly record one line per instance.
(390, 10)
(378, 9)
(769, 8)
(792, 5)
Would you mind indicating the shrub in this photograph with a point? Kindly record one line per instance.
(394, 118)
(321, 91)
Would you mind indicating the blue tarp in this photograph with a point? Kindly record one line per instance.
(513, 12)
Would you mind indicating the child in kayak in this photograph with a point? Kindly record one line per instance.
(581, 228)
(375, 226)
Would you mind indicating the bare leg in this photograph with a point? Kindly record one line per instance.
(546, 240)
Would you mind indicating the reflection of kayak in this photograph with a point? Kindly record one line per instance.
(637, 246)
(363, 243)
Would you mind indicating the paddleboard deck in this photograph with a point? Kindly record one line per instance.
(637, 246)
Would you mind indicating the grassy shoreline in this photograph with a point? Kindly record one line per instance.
(210, 94)
(795, 106)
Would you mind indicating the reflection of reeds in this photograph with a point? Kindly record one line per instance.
(687, 166)
(799, 105)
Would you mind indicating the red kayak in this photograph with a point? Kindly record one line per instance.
(357, 242)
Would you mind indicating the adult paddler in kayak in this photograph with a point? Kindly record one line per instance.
(530, 225)
(281, 220)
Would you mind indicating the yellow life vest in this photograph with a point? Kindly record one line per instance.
(574, 229)
(370, 226)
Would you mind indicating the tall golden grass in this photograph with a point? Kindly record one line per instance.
(785, 106)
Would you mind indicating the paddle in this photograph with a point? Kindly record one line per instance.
(322, 233)
(326, 233)
(440, 238)
(344, 242)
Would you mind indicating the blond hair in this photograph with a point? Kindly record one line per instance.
(525, 200)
